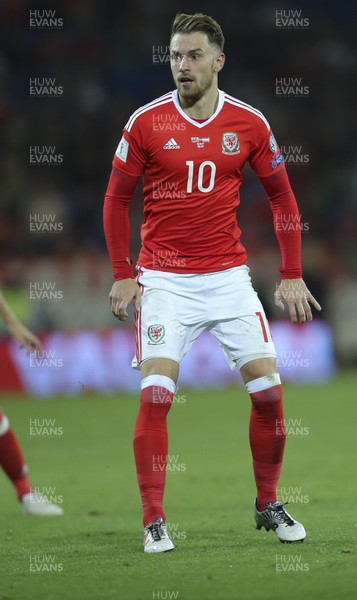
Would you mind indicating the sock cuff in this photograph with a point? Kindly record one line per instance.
(263, 383)
(159, 381)
(4, 425)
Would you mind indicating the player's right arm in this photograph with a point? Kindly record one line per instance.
(128, 164)
(117, 234)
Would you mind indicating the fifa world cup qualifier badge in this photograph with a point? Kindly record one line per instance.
(273, 144)
(230, 143)
(156, 334)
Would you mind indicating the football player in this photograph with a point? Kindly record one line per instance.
(190, 146)
(11, 458)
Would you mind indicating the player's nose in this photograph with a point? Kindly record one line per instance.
(183, 64)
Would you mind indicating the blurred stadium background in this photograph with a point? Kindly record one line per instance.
(104, 60)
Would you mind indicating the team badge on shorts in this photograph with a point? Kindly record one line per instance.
(230, 143)
(156, 334)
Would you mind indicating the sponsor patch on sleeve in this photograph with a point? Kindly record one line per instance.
(276, 162)
(122, 150)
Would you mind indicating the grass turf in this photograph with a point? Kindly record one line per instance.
(96, 548)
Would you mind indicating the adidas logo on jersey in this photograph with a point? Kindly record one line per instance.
(171, 145)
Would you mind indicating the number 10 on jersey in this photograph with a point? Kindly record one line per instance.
(207, 164)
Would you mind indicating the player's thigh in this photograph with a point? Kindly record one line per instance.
(246, 339)
(160, 366)
(157, 332)
(164, 334)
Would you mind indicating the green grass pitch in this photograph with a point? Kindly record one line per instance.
(95, 550)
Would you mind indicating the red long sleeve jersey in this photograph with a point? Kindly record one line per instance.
(192, 172)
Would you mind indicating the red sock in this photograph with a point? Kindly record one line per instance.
(11, 458)
(267, 441)
(151, 445)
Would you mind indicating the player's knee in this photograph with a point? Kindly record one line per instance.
(270, 396)
(260, 367)
(160, 366)
(266, 389)
(157, 394)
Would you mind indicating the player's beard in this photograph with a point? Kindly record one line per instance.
(191, 96)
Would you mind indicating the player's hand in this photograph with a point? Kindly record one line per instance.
(121, 294)
(23, 335)
(298, 299)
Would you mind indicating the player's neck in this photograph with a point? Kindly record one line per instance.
(203, 108)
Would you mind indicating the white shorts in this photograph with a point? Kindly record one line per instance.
(178, 307)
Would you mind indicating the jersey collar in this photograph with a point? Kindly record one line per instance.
(192, 121)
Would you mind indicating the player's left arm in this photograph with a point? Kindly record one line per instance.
(292, 288)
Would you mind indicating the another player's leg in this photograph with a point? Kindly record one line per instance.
(151, 446)
(267, 440)
(12, 462)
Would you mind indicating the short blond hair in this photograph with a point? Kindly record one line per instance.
(199, 22)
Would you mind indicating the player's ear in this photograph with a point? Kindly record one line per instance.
(220, 60)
